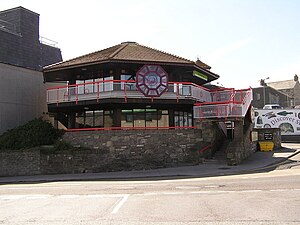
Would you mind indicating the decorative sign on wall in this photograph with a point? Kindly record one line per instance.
(152, 80)
(200, 75)
(288, 120)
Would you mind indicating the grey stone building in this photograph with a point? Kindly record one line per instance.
(22, 56)
(290, 88)
(267, 95)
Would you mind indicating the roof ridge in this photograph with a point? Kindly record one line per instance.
(81, 56)
(123, 45)
(167, 53)
(280, 81)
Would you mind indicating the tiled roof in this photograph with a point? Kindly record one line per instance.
(202, 65)
(282, 85)
(126, 51)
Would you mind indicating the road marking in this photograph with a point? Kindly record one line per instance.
(146, 194)
(38, 186)
(212, 186)
(293, 189)
(120, 204)
(250, 191)
(68, 196)
(188, 187)
(124, 197)
(275, 173)
(12, 197)
(34, 197)
(202, 192)
(172, 193)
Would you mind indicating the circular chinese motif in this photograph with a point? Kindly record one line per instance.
(152, 80)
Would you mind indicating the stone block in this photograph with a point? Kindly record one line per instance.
(109, 143)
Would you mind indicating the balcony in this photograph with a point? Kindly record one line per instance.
(219, 103)
(226, 103)
(123, 89)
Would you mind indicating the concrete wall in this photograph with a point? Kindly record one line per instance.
(22, 96)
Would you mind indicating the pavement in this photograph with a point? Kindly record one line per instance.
(258, 162)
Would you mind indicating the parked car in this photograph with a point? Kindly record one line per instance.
(272, 106)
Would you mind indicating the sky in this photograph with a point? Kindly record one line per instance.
(242, 40)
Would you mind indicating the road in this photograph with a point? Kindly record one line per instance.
(258, 198)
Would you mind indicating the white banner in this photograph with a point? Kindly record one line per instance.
(288, 120)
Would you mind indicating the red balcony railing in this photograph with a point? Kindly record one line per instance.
(219, 103)
(226, 103)
(123, 89)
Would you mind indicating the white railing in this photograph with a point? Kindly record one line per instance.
(227, 104)
(47, 41)
(247, 99)
(123, 89)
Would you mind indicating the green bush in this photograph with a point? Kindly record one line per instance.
(34, 133)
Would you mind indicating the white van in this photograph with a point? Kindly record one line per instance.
(272, 106)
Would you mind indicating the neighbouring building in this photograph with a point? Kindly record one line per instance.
(286, 94)
(22, 57)
(290, 88)
(265, 95)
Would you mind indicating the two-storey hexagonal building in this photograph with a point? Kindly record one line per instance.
(127, 86)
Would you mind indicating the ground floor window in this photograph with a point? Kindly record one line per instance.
(96, 118)
(144, 118)
(137, 117)
(183, 119)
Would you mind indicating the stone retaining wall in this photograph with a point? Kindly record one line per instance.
(118, 150)
(241, 147)
(19, 162)
(98, 151)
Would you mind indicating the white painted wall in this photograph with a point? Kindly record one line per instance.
(22, 96)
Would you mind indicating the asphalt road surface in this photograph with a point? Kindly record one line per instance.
(261, 198)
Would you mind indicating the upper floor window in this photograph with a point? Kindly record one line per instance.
(258, 96)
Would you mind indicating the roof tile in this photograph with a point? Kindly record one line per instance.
(126, 51)
(281, 85)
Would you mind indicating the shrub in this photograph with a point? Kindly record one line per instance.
(34, 133)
